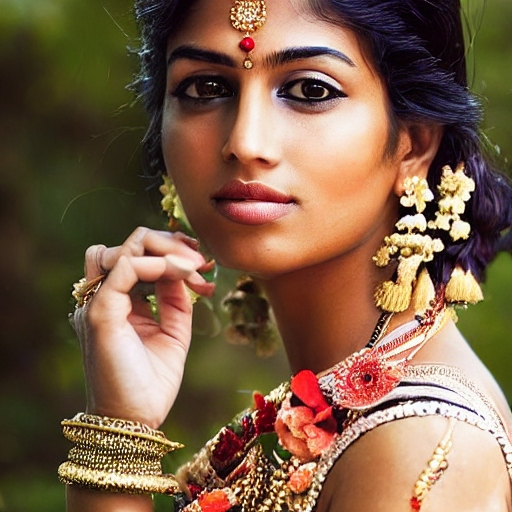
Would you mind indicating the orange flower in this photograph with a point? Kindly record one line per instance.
(220, 500)
(301, 478)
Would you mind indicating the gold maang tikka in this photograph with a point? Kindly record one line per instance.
(248, 16)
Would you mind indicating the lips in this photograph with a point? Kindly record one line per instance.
(251, 191)
(252, 203)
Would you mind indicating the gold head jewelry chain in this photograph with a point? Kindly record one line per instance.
(247, 16)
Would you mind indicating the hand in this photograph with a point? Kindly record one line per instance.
(133, 364)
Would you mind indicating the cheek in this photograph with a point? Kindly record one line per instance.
(190, 151)
(346, 172)
(182, 139)
(344, 149)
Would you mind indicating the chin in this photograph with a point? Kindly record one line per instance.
(264, 264)
(252, 266)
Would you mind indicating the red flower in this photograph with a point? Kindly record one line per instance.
(248, 428)
(306, 431)
(218, 500)
(305, 387)
(227, 448)
(266, 414)
(194, 490)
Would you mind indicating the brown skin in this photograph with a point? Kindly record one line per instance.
(314, 262)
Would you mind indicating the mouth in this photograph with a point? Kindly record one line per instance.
(252, 203)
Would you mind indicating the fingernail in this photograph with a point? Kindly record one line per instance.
(209, 271)
(196, 279)
(207, 267)
(191, 242)
(180, 263)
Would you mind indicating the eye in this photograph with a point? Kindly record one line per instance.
(203, 88)
(310, 90)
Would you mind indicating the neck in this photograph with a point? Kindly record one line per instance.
(327, 312)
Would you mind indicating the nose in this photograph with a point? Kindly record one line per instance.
(252, 139)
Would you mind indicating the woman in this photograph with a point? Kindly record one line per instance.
(299, 135)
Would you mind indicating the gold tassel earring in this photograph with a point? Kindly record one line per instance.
(412, 248)
(455, 190)
(463, 288)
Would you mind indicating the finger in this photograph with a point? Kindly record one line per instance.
(144, 241)
(176, 269)
(198, 284)
(93, 257)
(139, 294)
(130, 270)
(207, 267)
(175, 312)
(191, 242)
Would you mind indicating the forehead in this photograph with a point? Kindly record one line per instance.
(289, 23)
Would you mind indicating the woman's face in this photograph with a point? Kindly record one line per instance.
(283, 166)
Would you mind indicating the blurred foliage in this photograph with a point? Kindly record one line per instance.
(71, 176)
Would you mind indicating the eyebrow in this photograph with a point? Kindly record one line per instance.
(305, 52)
(275, 59)
(192, 52)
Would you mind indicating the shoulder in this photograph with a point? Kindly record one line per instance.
(380, 470)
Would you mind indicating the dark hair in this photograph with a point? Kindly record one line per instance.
(418, 48)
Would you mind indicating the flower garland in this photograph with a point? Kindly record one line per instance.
(267, 457)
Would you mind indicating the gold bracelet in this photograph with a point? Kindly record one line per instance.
(116, 455)
(72, 474)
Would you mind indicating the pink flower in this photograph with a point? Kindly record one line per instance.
(298, 432)
(306, 430)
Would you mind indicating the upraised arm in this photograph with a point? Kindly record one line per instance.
(133, 363)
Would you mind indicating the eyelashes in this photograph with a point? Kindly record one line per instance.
(205, 89)
(310, 90)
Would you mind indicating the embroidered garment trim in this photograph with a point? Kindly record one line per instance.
(258, 476)
(408, 410)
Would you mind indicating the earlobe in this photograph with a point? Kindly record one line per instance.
(418, 145)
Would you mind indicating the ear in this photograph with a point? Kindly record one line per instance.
(417, 148)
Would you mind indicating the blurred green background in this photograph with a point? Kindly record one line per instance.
(71, 175)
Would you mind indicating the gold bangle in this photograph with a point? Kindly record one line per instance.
(72, 474)
(116, 455)
(103, 430)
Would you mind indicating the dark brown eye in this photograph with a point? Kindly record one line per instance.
(208, 88)
(310, 90)
(314, 91)
(205, 88)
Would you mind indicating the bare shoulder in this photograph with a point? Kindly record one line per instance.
(380, 470)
